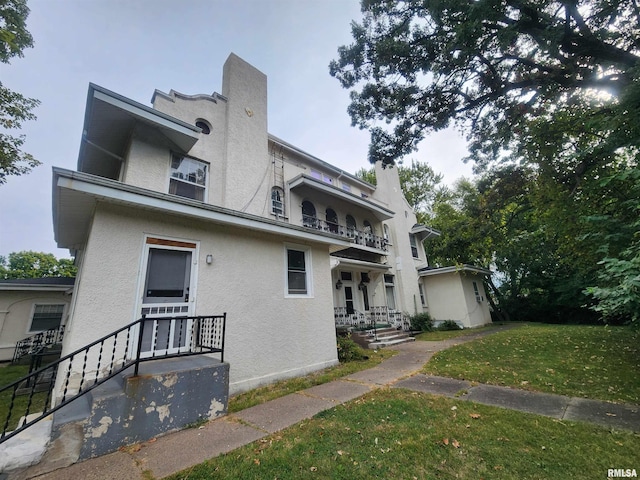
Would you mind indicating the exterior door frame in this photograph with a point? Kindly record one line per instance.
(166, 309)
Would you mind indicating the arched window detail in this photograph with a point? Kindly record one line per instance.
(332, 220)
(351, 226)
(204, 126)
(368, 228)
(309, 218)
(277, 201)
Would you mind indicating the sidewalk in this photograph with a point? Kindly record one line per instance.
(176, 451)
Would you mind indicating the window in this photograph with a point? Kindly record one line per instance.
(188, 177)
(332, 220)
(321, 176)
(346, 187)
(277, 201)
(423, 301)
(46, 317)
(477, 292)
(414, 246)
(309, 218)
(298, 271)
(204, 126)
(389, 289)
(351, 226)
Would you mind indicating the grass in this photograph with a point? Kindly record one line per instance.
(582, 361)
(401, 434)
(285, 387)
(8, 375)
(439, 335)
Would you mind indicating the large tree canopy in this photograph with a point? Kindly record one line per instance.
(505, 70)
(28, 264)
(14, 107)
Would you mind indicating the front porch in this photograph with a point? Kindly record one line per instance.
(379, 327)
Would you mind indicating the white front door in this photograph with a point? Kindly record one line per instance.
(168, 272)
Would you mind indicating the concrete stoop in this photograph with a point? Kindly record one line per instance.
(127, 410)
(381, 337)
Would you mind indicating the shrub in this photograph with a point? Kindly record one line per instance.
(421, 322)
(348, 350)
(449, 325)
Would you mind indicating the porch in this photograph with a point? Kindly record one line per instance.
(362, 238)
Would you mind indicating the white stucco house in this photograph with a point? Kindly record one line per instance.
(191, 207)
(29, 307)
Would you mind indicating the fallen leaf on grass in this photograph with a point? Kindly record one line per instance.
(314, 469)
(455, 443)
(256, 461)
(474, 415)
(445, 441)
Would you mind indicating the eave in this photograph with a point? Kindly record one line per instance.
(429, 272)
(381, 213)
(422, 232)
(75, 195)
(109, 122)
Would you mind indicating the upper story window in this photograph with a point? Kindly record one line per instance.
(46, 317)
(204, 126)
(277, 201)
(351, 226)
(332, 220)
(346, 187)
(309, 218)
(188, 177)
(321, 176)
(414, 245)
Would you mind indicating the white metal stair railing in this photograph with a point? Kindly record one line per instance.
(356, 319)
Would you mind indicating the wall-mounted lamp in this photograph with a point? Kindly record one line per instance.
(209, 259)
(361, 285)
(338, 284)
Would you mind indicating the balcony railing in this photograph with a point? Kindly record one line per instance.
(358, 237)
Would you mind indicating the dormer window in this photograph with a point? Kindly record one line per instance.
(188, 177)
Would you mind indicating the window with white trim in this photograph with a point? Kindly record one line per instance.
(414, 246)
(188, 177)
(298, 263)
(389, 287)
(423, 300)
(46, 317)
(277, 201)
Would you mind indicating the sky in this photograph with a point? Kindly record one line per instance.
(134, 47)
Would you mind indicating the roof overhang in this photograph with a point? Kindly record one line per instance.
(380, 212)
(76, 194)
(429, 272)
(109, 122)
(34, 287)
(360, 264)
(422, 232)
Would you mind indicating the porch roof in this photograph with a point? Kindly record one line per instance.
(429, 271)
(75, 195)
(350, 262)
(380, 212)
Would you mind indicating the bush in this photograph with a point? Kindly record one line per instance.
(348, 350)
(449, 325)
(421, 322)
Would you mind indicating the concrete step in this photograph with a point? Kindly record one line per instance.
(388, 342)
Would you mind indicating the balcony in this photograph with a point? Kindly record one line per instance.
(357, 237)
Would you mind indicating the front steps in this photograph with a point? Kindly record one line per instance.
(381, 337)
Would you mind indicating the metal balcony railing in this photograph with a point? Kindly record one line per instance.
(81, 371)
(358, 237)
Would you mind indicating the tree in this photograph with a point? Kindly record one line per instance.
(28, 264)
(548, 93)
(501, 69)
(14, 107)
(419, 183)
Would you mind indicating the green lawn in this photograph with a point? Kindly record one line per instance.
(406, 435)
(439, 335)
(8, 375)
(583, 361)
(285, 387)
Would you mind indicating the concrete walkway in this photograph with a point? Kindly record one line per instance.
(176, 451)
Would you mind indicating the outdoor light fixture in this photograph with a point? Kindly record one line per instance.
(338, 284)
(209, 259)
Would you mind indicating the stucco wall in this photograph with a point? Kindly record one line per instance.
(268, 336)
(16, 309)
(478, 311)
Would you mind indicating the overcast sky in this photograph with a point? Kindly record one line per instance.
(136, 46)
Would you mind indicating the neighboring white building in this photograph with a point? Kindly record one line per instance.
(29, 307)
(192, 207)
